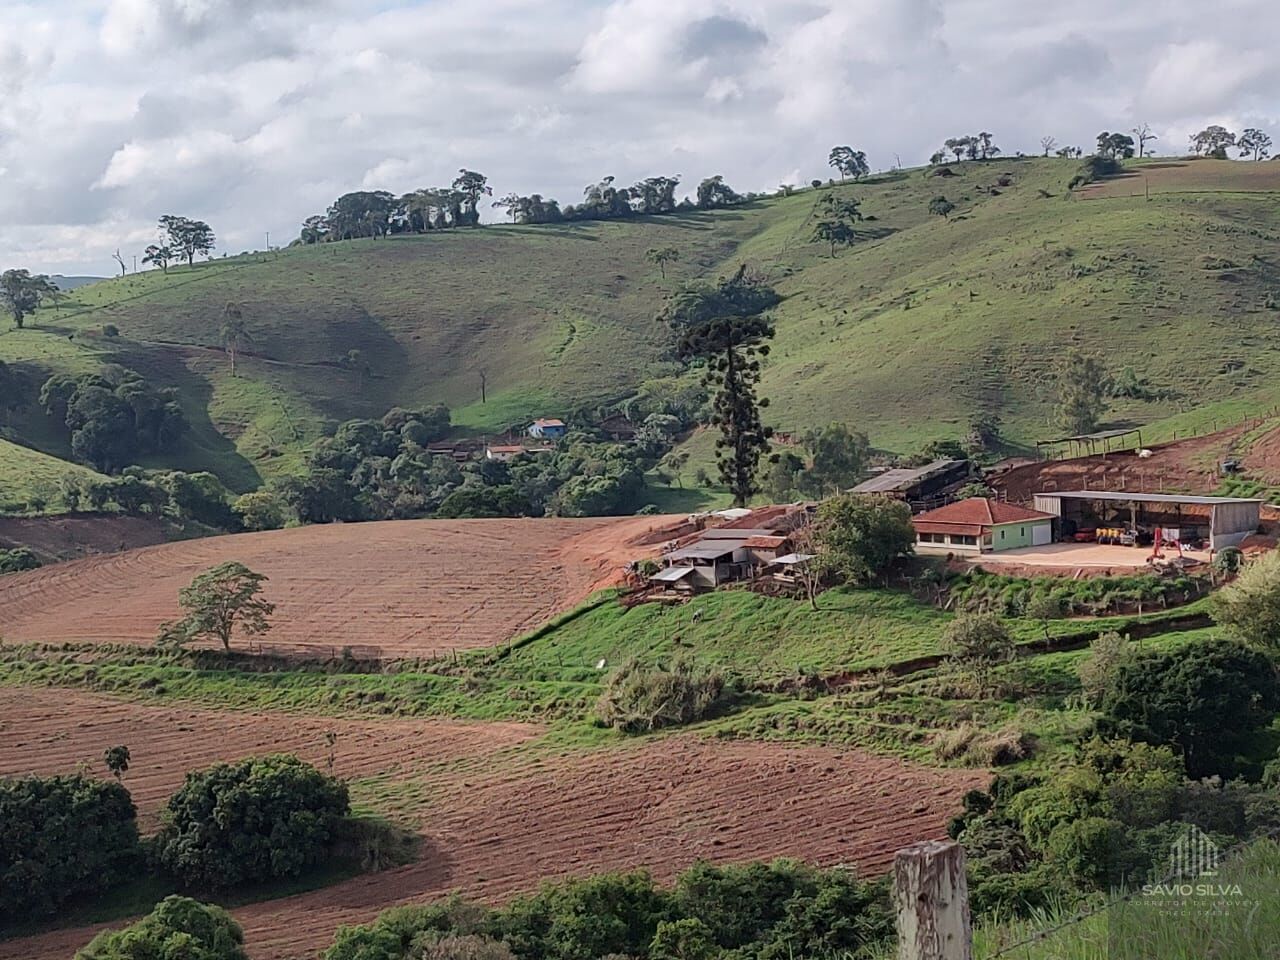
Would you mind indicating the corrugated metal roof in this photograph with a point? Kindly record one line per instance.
(1145, 497)
(793, 558)
(735, 533)
(724, 548)
(672, 574)
(900, 477)
(765, 541)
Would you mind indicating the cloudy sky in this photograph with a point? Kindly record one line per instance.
(252, 114)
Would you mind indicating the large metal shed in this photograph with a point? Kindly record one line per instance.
(1228, 519)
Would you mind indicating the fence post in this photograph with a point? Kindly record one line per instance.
(931, 898)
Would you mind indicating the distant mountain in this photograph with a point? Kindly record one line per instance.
(71, 283)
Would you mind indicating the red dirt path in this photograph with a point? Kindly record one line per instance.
(501, 820)
(409, 587)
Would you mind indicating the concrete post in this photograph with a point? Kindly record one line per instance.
(931, 898)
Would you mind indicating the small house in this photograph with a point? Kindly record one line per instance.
(980, 525)
(503, 451)
(547, 428)
(763, 549)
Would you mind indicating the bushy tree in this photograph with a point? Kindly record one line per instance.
(1083, 386)
(22, 292)
(714, 192)
(188, 237)
(859, 537)
(1250, 606)
(848, 162)
(1254, 143)
(839, 457)
(179, 928)
(1205, 701)
(484, 502)
(1115, 146)
(252, 820)
(62, 837)
(940, 206)
(1213, 141)
(17, 559)
(260, 510)
(217, 602)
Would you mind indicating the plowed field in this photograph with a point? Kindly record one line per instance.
(500, 820)
(409, 587)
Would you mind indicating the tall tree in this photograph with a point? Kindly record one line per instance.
(472, 186)
(714, 192)
(21, 293)
(1083, 385)
(848, 162)
(158, 254)
(1254, 143)
(511, 203)
(234, 332)
(837, 217)
(986, 148)
(725, 327)
(1213, 141)
(1143, 134)
(188, 237)
(1047, 144)
(1115, 146)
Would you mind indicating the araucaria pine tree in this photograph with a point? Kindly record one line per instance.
(724, 326)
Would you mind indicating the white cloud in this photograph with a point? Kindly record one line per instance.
(254, 114)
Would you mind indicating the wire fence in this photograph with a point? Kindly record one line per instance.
(1174, 873)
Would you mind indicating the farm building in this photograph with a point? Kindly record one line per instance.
(919, 485)
(980, 525)
(1195, 521)
(547, 428)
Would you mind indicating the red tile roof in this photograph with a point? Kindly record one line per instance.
(978, 511)
(548, 422)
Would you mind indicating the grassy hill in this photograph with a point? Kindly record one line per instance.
(908, 334)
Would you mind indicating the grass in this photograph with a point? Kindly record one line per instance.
(1213, 923)
(978, 307)
(23, 470)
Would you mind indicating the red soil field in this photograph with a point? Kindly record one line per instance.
(501, 820)
(410, 587)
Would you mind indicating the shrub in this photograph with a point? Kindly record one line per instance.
(977, 643)
(62, 837)
(1250, 607)
(1106, 653)
(1205, 701)
(178, 928)
(968, 741)
(257, 819)
(436, 946)
(110, 331)
(18, 559)
(260, 510)
(639, 699)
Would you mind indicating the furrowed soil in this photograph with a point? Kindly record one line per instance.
(496, 820)
(408, 588)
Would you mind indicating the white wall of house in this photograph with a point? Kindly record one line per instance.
(941, 544)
